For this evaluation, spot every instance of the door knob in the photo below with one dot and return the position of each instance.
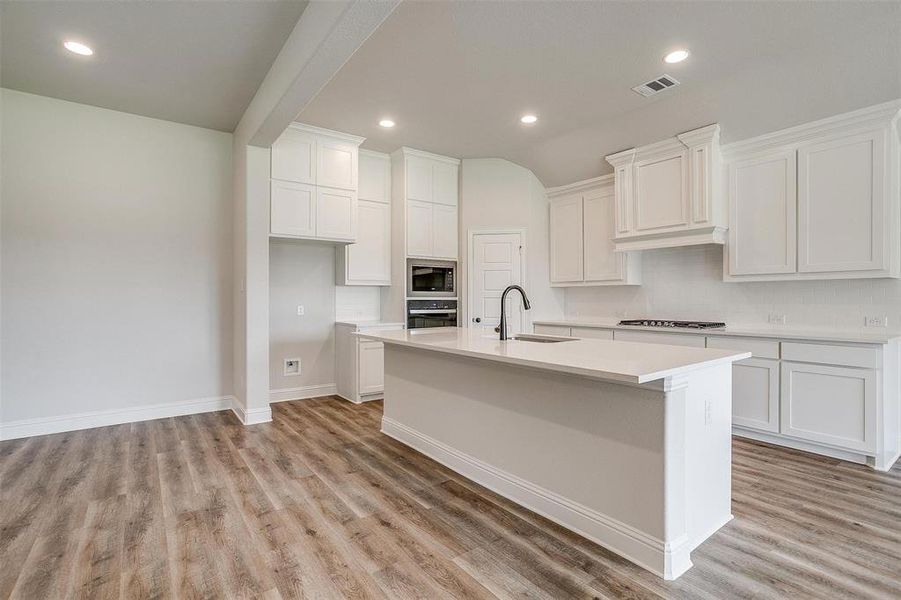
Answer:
(477, 319)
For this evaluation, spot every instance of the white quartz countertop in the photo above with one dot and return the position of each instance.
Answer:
(630, 362)
(868, 336)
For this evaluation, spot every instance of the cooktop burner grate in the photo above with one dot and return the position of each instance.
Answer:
(674, 324)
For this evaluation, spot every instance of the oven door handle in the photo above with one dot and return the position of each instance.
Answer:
(436, 311)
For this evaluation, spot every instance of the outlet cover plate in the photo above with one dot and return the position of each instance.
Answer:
(292, 366)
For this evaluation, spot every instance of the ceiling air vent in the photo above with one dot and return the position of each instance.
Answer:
(650, 88)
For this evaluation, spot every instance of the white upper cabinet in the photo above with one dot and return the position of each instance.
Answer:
(336, 164)
(667, 194)
(294, 157)
(763, 204)
(368, 260)
(326, 162)
(843, 225)
(582, 226)
(818, 201)
(428, 198)
(444, 231)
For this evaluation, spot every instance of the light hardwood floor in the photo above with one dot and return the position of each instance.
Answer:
(319, 504)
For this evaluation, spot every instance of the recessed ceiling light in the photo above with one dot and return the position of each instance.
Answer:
(78, 48)
(528, 119)
(386, 123)
(676, 56)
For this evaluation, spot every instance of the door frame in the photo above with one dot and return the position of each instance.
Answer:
(470, 258)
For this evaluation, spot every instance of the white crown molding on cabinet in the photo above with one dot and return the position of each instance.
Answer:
(11, 430)
(302, 393)
(883, 114)
(354, 139)
(579, 186)
(406, 151)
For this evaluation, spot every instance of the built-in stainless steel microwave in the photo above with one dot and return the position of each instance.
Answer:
(431, 278)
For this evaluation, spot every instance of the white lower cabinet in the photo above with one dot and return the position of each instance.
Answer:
(755, 394)
(830, 405)
(360, 363)
(372, 367)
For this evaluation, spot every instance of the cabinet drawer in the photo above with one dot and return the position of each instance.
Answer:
(592, 332)
(851, 356)
(757, 347)
(552, 329)
(654, 337)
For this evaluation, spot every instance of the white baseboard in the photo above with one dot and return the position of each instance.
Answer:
(812, 447)
(252, 416)
(102, 418)
(303, 392)
(665, 560)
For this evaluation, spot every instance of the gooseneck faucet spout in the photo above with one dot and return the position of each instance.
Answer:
(502, 328)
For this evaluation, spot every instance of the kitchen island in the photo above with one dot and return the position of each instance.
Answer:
(627, 444)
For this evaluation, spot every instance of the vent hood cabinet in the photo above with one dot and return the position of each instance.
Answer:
(668, 194)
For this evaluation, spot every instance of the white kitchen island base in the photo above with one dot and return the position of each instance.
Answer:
(643, 469)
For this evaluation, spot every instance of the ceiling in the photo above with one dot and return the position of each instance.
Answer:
(190, 62)
(456, 76)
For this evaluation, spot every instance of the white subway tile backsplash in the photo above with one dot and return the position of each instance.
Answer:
(687, 283)
(357, 303)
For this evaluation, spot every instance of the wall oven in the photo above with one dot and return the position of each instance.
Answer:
(431, 313)
(431, 278)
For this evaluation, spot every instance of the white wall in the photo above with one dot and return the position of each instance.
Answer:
(301, 273)
(117, 260)
(501, 194)
(686, 283)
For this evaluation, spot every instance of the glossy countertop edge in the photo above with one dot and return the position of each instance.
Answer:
(818, 335)
(724, 357)
(369, 323)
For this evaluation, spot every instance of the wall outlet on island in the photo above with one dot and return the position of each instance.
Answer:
(876, 321)
(292, 366)
(776, 319)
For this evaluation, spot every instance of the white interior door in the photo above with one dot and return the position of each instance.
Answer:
(496, 263)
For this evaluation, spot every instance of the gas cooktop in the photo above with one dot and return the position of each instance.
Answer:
(678, 324)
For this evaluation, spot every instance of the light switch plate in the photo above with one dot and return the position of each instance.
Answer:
(876, 321)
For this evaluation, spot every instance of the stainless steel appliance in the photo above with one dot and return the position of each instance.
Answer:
(431, 278)
(675, 324)
(431, 313)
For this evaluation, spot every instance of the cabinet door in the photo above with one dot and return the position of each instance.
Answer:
(755, 394)
(419, 179)
(292, 209)
(831, 405)
(601, 262)
(444, 183)
(661, 193)
(336, 214)
(372, 367)
(374, 181)
(566, 239)
(762, 212)
(336, 164)
(842, 204)
(293, 157)
(419, 228)
(369, 258)
(444, 231)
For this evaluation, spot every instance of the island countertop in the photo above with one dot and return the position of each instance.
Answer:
(630, 362)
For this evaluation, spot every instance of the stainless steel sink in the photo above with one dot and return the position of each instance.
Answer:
(541, 339)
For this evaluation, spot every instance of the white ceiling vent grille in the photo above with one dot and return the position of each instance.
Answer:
(664, 82)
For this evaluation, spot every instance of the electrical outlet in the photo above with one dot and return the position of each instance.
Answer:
(300, 310)
(876, 321)
(292, 366)
(776, 319)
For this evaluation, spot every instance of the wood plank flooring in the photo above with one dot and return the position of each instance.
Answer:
(319, 504)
